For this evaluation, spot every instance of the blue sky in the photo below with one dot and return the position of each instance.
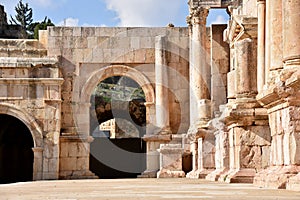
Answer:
(112, 12)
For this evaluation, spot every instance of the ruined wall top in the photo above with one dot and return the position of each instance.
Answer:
(3, 17)
(6, 30)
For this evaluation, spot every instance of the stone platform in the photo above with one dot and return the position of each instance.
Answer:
(146, 189)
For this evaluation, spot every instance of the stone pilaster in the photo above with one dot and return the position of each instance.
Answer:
(161, 87)
(37, 163)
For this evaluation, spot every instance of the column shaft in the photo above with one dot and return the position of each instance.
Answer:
(261, 45)
(276, 35)
(199, 69)
(291, 27)
(267, 39)
(161, 86)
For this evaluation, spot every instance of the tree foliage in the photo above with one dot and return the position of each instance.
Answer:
(36, 26)
(23, 17)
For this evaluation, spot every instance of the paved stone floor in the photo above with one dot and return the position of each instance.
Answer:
(146, 189)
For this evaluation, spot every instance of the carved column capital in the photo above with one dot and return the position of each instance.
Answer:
(198, 15)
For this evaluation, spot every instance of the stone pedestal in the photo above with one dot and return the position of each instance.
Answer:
(294, 183)
(74, 158)
(170, 161)
(152, 160)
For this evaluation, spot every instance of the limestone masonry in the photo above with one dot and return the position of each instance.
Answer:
(221, 103)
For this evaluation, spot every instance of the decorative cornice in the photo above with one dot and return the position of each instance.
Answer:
(241, 27)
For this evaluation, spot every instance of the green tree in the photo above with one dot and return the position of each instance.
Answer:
(23, 17)
(36, 26)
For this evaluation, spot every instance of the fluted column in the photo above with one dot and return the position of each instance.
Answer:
(161, 86)
(199, 71)
(261, 5)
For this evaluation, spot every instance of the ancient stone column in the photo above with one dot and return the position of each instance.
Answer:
(267, 39)
(261, 44)
(161, 86)
(246, 85)
(276, 35)
(291, 36)
(200, 111)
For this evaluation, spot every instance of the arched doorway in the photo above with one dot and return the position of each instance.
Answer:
(16, 155)
(117, 124)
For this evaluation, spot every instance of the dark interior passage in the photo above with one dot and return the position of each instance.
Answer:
(16, 155)
(118, 158)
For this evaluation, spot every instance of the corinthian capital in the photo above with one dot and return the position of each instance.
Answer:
(198, 15)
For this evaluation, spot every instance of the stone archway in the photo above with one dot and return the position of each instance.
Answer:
(119, 146)
(33, 133)
(85, 92)
(16, 155)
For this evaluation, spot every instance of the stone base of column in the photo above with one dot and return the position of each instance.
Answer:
(199, 174)
(70, 175)
(277, 177)
(215, 175)
(165, 173)
(148, 174)
(294, 183)
(238, 176)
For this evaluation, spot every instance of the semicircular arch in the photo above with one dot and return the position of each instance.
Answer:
(117, 70)
(27, 119)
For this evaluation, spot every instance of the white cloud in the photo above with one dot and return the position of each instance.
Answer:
(69, 22)
(144, 12)
(42, 3)
(219, 20)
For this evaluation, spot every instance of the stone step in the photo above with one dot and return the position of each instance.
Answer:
(20, 44)
(27, 53)
(242, 179)
(16, 62)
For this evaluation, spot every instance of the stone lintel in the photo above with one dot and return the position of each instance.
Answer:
(46, 81)
(76, 138)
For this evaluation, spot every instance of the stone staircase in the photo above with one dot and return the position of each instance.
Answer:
(22, 48)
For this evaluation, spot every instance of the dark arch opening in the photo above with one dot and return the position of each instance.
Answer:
(16, 155)
(118, 151)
